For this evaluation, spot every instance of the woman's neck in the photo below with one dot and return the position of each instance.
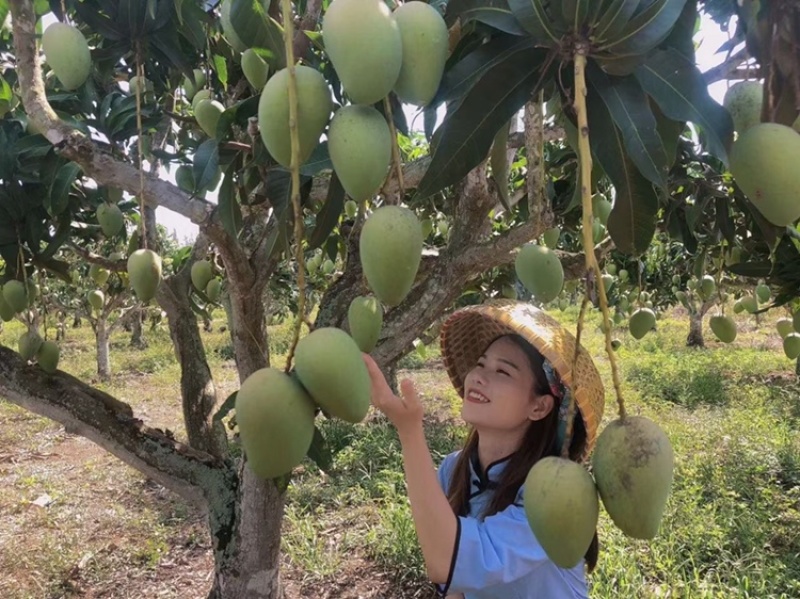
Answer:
(494, 446)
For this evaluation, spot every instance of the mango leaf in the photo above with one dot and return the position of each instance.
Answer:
(647, 29)
(230, 213)
(257, 29)
(463, 75)
(494, 13)
(320, 160)
(538, 17)
(575, 12)
(499, 162)
(205, 164)
(629, 107)
(681, 93)
(56, 241)
(226, 407)
(320, 452)
(465, 136)
(221, 68)
(614, 19)
(58, 198)
(632, 221)
(328, 216)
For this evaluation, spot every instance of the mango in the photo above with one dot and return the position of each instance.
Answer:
(207, 115)
(601, 208)
(707, 287)
(330, 367)
(255, 69)
(139, 85)
(67, 53)
(360, 145)
(562, 509)
(763, 161)
(750, 303)
(203, 94)
(96, 299)
(110, 218)
(47, 356)
(642, 321)
(551, 236)
(275, 417)
(144, 272)
(213, 289)
(390, 249)
(28, 344)
(350, 209)
(314, 110)
(743, 101)
(633, 466)
(784, 326)
(791, 345)
(98, 274)
(201, 274)
(425, 43)
(198, 82)
(16, 295)
(227, 27)
(540, 271)
(6, 311)
(365, 318)
(723, 327)
(763, 293)
(364, 44)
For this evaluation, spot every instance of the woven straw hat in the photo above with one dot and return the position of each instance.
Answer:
(468, 332)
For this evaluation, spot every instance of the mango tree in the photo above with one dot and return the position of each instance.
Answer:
(244, 92)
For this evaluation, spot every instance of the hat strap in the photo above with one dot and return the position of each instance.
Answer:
(560, 391)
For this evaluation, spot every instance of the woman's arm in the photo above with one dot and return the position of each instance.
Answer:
(434, 520)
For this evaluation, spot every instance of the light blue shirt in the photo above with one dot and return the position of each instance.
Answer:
(499, 557)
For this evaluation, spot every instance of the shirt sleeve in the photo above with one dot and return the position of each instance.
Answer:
(496, 551)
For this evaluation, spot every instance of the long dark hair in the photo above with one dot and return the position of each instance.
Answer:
(539, 442)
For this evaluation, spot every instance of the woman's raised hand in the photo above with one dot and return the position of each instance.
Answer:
(404, 411)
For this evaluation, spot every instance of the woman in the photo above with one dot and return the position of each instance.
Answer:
(512, 365)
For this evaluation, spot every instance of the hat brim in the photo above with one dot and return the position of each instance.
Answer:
(468, 332)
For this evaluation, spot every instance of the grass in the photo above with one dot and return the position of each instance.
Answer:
(731, 527)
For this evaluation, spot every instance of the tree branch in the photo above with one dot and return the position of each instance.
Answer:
(111, 424)
(301, 41)
(77, 147)
(92, 258)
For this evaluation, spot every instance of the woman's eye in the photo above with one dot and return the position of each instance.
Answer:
(503, 372)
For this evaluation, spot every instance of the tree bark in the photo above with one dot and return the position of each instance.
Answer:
(137, 330)
(695, 338)
(101, 335)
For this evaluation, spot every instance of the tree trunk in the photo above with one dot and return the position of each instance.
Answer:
(695, 338)
(101, 335)
(61, 327)
(198, 392)
(137, 334)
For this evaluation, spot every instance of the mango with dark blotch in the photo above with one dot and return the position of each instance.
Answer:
(633, 467)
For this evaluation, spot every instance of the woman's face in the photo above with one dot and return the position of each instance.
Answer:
(499, 391)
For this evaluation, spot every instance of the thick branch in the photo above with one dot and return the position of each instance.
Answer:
(92, 258)
(301, 41)
(77, 147)
(111, 424)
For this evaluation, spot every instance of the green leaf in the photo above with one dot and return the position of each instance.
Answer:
(494, 13)
(629, 107)
(458, 80)
(465, 136)
(230, 213)
(320, 452)
(647, 29)
(320, 160)
(632, 222)
(257, 29)
(226, 407)
(328, 216)
(575, 12)
(499, 162)
(681, 93)
(614, 19)
(58, 198)
(539, 19)
(56, 241)
(205, 164)
(221, 68)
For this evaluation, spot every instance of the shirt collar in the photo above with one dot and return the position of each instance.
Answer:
(486, 480)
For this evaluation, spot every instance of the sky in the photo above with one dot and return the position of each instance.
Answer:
(708, 39)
